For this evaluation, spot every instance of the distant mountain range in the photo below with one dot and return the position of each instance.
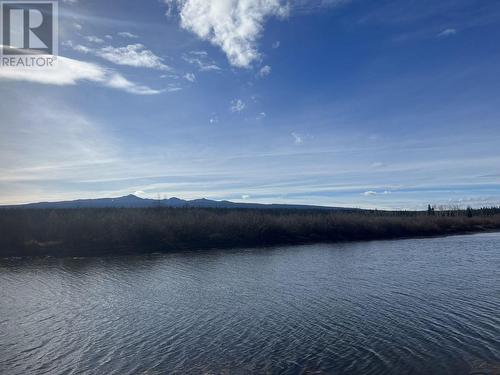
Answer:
(132, 201)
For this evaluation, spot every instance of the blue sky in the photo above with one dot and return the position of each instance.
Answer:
(387, 104)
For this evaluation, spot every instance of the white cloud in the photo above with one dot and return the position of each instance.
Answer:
(172, 76)
(49, 140)
(447, 32)
(261, 116)
(77, 26)
(172, 87)
(371, 193)
(245, 196)
(94, 39)
(109, 37)
(81, 49)
(297, 138)
(201, 60)
(126, 34)
(199, 53)
(276, 44)
(77, 47)
(132, 55)
(135, 55)
(236, 25)
(118, 81)
(265, 71)
(190, 77)
(237, 105)
(233, 25)
(70, 72)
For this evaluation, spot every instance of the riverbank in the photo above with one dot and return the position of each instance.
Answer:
(93, 232)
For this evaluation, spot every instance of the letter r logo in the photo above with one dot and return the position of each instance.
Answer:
(28, 27)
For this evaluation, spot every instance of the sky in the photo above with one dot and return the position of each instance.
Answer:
(389, 104)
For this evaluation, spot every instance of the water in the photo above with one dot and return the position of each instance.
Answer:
(427, 306)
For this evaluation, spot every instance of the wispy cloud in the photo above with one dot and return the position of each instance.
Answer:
(201, 60)
(118, 81)
(378, 164)
(136, 55)
(214, 119)
(371, 193)
(265, 71)
(49, 141)
(126, 34)
(190, 77)
(133, 55)
(308, 6)
(70, 72)
(447, 32)
(94, 39)
(297, 138)
(237, 105)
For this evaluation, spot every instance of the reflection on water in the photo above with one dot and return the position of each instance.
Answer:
(428, 306)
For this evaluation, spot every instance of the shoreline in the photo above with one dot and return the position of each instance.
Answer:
(101, 233)
(127, 253)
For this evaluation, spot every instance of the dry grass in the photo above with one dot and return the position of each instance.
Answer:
(87, 232)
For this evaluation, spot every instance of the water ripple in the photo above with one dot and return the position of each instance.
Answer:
(395, 307)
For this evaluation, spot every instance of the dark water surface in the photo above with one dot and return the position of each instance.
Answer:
(426, 306)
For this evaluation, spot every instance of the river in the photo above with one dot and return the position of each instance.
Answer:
(417, 306)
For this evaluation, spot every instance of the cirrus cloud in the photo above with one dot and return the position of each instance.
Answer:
(126, 34)
(297, 138)
(70, 72)
(237, 105)
(135, 55)
(447, 32)
(265, 71)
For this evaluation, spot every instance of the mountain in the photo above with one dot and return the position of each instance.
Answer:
(132, 201)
